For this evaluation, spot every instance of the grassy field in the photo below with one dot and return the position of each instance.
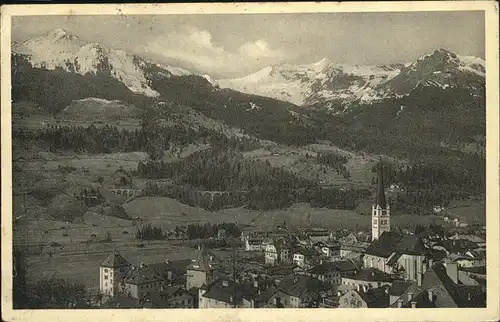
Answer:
(168, 213)
(472, 212)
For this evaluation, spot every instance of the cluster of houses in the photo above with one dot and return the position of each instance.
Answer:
(314, 268)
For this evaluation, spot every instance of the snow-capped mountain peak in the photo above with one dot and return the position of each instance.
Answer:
(60, 34)
(60, 49)
(332, 84)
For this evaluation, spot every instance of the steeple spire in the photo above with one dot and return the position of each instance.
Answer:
(380, 189)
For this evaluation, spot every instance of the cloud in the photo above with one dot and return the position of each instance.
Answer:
(259, 49)
(194, 48)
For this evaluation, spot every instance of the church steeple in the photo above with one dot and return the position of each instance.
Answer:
(381, 214)
(381, 201)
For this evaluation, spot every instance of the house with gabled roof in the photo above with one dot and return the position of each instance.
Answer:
(297, 291)
(225, 293)
(141, 282)
(202, 269)
(111, 272)
(304, 257)
(175, 297)
(332, 272)
(365, 298)
(367, 277)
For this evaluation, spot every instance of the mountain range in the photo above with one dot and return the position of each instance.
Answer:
(331, 85)
(328, 83)
(398, 108)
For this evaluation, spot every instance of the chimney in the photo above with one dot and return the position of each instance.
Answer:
(419, 279)
(339, 294)
(410, 296)
(358, 287)
(400, 303)
(430, 262)
(364, 288)
(430, 295)
(452, 271)
(413, 304)
(255, 283)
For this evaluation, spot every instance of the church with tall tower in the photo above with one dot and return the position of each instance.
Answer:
(381, 212)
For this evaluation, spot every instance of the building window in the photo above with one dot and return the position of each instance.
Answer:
(105, 270)
(105, 277)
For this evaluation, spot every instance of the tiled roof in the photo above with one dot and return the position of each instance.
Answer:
(375, 298)
(280, 270)
(393, 242)
(322, 268)
(170, 291)
(346, 265)
(141, 275)
(421, 299)
(299, 285)
(307, 252)
(354, 256)
(177, 267)
(115, 260)
(359, 246)
(223, 290)
(399, 287)
(458, 245)
(265, 294)
(205, 261)
(371, 275)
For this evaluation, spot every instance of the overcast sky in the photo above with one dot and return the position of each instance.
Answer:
(239, 44)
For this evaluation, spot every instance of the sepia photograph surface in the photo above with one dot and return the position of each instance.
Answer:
(250, 157)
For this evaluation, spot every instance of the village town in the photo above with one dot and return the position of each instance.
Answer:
(312, 267)
(284, 160)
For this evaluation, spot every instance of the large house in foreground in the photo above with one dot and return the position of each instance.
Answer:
(111, 273)
(225, 293)
(202, 269)
(297, 291)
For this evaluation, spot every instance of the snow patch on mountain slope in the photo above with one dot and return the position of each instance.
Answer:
(312, 83)
(473, 64)
(332, 84)
(92, 108)
(59, 48)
